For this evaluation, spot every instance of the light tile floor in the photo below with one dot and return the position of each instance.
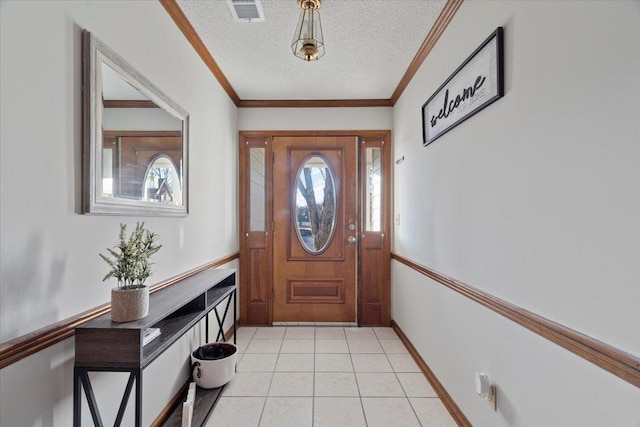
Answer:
(326, 377)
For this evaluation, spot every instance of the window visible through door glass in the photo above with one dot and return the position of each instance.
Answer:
(373, 208)
(315, 203)
(257, 199)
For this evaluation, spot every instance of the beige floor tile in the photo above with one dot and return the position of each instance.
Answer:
(336, 384)
(333, 363)
(379, 385)
(292, 384)
(360, 334)
(432, 413)
(371, 363)
(269, 333)
(295, 363)
(416, 385)
(297, 346)
(331, 346)
(338, 411)
(257, 362)
(246, 332)
(248, 384)
(329, 332)
(296, 376)
(241, 344)
(393, 346)
(403, 363)
(237, 412)
(287, 412)
(300, 332)
(364, 346)
(385, 333)
(386, 412)
(264, 346)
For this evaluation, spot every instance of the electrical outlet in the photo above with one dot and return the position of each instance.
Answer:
(492, 398)
(485, 389)
(397, 219)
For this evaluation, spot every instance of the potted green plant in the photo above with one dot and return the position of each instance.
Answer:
(130, 264)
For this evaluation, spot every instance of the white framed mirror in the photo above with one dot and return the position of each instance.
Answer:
(134, 138)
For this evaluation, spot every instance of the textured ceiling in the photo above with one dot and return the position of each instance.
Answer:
(369, 46)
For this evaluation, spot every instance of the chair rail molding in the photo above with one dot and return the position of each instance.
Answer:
(607, 357)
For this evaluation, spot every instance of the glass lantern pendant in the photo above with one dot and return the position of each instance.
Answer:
(308, 43)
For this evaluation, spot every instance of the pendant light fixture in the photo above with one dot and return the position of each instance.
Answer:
(308, 43)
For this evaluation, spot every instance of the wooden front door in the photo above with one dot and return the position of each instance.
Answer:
(315, 228)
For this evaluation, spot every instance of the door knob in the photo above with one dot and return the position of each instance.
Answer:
(351, 240)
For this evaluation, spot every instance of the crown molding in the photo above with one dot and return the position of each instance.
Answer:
(313, 103)
(173, 9)
(445, 17)
(128, 103)
(441, 24)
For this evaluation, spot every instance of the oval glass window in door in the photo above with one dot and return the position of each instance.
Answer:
(315, 204)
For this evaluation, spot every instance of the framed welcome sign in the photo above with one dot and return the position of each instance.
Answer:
(478, 82)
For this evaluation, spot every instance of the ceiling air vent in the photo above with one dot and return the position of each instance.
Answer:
(246, 10)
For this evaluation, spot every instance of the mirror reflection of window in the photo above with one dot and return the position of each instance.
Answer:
(315, 204)
(107, 172)
(373, 209)
(126, 111)
(162, 182)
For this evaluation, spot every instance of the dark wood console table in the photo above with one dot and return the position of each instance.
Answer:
(102, 345)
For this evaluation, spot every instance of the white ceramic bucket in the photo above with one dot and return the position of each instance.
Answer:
(213, 365)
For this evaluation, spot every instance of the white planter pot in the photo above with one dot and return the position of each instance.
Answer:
(214, 365)
(129, 305)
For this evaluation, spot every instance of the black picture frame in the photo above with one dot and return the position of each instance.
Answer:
(467, 77)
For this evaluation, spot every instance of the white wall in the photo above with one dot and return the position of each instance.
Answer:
(536, 200)
(370, 118)
(50, 267)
